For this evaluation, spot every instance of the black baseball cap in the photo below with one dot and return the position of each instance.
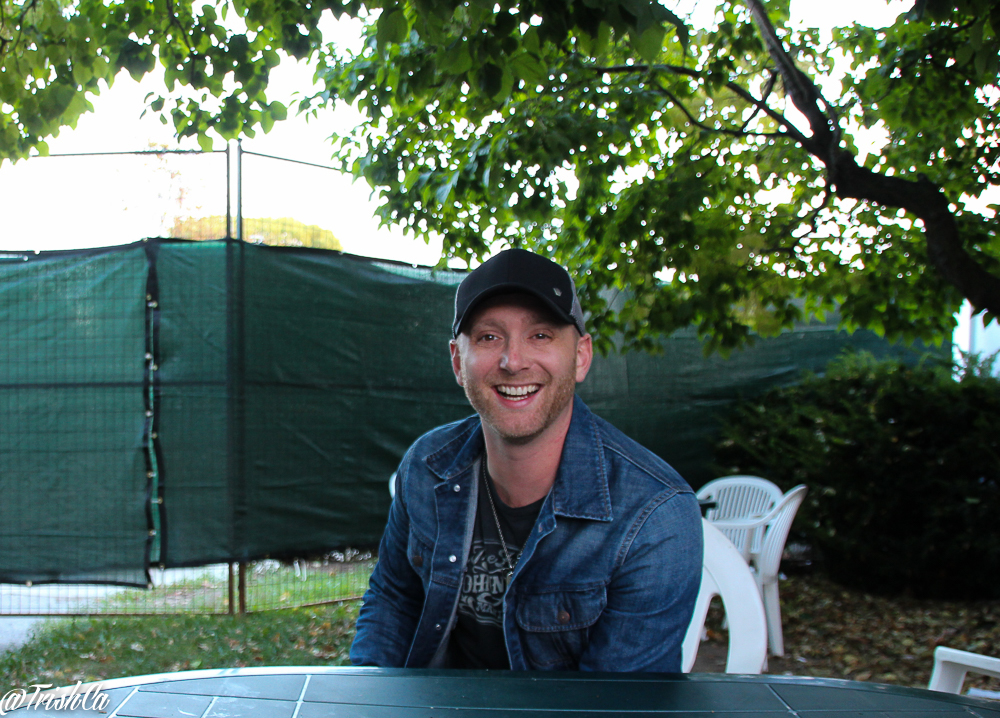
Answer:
(518, 270)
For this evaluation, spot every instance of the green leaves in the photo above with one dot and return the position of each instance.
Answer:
(137, 59)
(58, 55)
(529, 68)
(490, 78)
(455, 60)
(274, 112)
(392, 27)
(605, 133)
(649, 43)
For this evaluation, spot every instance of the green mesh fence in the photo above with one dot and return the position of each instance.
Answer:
(178, 404)
(73, 477)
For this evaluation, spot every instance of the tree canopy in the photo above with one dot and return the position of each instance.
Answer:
(276, 232)
(688, 176)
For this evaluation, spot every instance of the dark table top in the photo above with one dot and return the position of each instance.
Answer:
(314, 692)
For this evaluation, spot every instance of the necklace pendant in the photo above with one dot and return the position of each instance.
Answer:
(510, 575)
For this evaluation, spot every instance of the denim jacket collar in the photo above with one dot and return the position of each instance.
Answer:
(581, 487)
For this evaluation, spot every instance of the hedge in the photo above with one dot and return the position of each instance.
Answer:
(903, 468)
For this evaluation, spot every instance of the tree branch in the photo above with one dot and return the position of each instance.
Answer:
(15, 39)
(180, 28)
(805, 95)
(797, 222)
(763, 99)
(723, 130)
(921, 198)
(927, 201)
(790, 129)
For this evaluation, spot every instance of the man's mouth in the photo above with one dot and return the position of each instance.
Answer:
(517, 392)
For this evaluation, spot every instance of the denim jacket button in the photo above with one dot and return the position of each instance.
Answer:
(453, 558)
(563, 617)
(437, 626)
(457, 488)
(417, 560)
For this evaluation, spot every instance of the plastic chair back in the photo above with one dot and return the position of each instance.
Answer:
(741, 497)
(726, 574)
(767, 560)
(772, 532)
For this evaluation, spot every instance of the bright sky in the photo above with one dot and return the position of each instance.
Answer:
(59, 203)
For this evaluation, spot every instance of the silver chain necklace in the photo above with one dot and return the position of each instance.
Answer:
(503, 544)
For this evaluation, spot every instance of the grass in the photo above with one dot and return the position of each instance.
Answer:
(339, 581)
(270, 585)
(188, 636)
(829, 632)
(65, 651)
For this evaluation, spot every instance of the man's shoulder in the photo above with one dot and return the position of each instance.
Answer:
(641, 460)
(445, 434)
(443, 443)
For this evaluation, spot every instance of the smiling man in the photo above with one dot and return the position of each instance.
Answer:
(532, 535)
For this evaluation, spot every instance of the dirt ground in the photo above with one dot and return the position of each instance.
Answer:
(833, 632)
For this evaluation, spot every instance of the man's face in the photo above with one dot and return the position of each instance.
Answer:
(519, 366)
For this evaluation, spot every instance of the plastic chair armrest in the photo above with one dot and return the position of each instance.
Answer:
(745, 524)
(951, 665)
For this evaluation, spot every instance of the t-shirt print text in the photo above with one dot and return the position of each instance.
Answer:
(485, 582)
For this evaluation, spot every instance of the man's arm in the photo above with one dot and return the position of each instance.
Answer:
(652, 594)
(392, 605)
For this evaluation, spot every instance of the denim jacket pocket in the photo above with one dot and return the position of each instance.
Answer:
(555, 623)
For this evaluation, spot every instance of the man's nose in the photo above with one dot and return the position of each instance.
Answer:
(514, 357)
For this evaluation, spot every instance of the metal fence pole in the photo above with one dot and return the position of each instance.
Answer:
(232, 589)
(243, 588)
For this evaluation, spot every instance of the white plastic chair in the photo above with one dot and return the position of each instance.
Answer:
(769, 533)
(951, 665)
(740, 497)
(726, 574)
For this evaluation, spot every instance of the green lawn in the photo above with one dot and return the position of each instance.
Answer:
(187, 637)
(269, 586)
(65, 651)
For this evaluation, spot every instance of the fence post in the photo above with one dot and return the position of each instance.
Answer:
(243, 588)
(235, 386)
(232, 589)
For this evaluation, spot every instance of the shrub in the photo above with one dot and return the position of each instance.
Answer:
(903, 469)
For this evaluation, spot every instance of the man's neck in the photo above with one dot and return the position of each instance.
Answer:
(525, 473)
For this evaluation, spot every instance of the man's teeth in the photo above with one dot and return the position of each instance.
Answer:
(518, 391)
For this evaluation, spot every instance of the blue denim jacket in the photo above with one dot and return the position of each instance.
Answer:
(606, 581)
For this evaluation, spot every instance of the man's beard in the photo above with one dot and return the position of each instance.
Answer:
(524, 428)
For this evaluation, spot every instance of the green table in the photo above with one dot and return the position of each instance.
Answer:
(319, 692)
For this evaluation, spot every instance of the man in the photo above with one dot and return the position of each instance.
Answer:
(533, 535)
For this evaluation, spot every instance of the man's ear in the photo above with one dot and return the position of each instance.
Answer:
(456, 361)
(584, 356)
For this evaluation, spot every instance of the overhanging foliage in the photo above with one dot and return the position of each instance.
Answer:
(609, 134)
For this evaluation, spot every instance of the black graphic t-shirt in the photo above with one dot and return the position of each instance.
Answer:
(477, 638)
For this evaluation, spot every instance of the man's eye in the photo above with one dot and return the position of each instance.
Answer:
(487, 337)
